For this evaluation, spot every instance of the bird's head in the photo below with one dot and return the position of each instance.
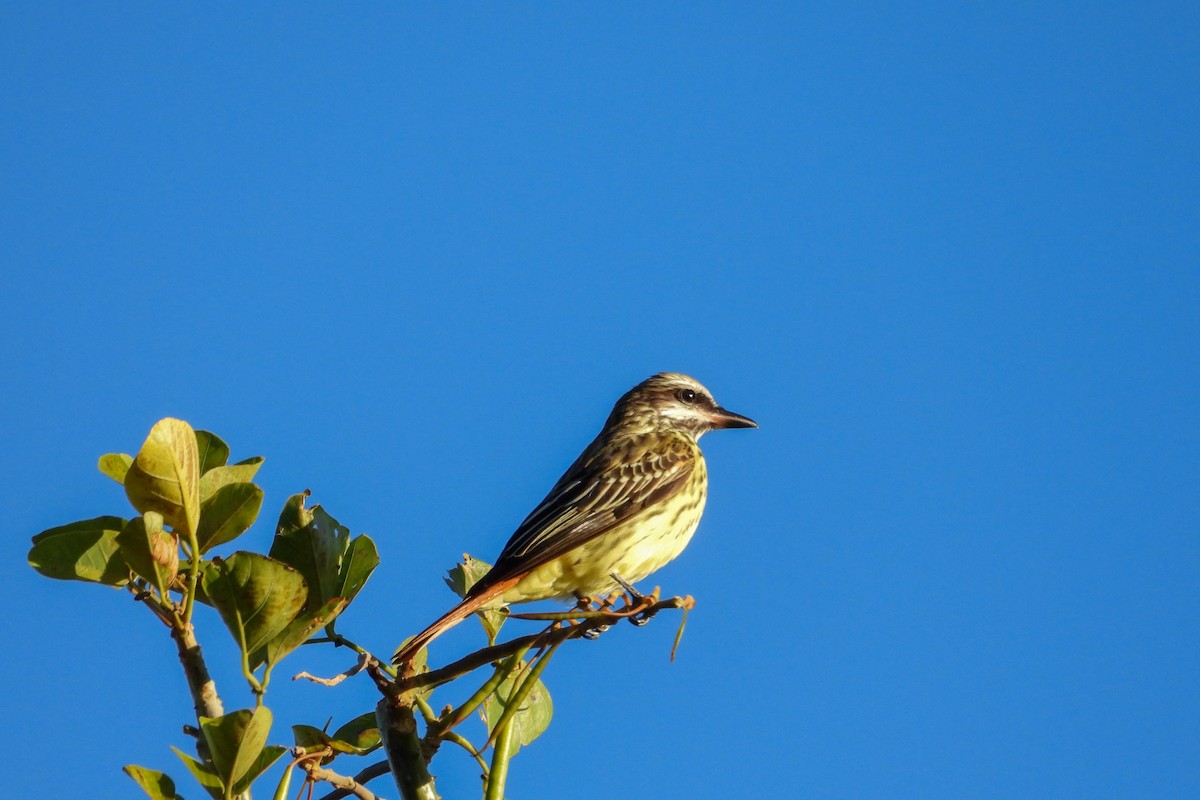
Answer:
(670, 401)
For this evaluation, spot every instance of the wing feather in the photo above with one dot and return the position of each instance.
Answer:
(610, 483)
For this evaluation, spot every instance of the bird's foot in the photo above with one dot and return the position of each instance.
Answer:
(636, 600)
(594, 633)
(634, 596)
(587, 603)
(643, 617)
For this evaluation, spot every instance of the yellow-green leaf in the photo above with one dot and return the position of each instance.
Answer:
(165, 475)
(357, 737)
(203, 774)
(154, 783)
(216, 477)
(236, 743)
(149, 550)
(532, 717)
(262, 762)
(465, 575)
(115, 465)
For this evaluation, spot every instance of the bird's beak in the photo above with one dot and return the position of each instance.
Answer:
(720, 418)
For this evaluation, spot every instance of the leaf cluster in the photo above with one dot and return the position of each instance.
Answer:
(189, 500)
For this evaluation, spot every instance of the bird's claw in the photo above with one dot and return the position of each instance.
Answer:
(635, 596)
(594, 633)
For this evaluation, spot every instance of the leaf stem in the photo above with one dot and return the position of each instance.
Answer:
(465, 744)
(255, 686)
(521, 692)
(369, 773)
(193, 581)
(481, 694)
(498, 774)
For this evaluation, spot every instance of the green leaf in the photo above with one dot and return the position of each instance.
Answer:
(154, 783)
(359, 736)
(465, 575)
(82, 551)
(212, 451)
(533, 716)
(296, 633)
(241, 472)
(284, 786)
(115, 465)
(256, 596)
(149, 550)
(313, 542)
(308, 736)
(266, 757)
(359, 561)
(236, 742)
(227, 514)
(333, 567)
(203, 774)
(316, 544)
(165, 475)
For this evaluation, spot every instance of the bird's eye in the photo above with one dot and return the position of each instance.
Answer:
(686, 395)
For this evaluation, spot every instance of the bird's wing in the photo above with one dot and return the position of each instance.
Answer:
(618, 481)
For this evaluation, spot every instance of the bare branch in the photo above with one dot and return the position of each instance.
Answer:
(590, 621)
(345, 786)
(363, 659)
(204, 691)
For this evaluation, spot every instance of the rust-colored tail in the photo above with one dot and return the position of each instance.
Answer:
(451, 618)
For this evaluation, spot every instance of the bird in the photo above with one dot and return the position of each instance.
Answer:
(628, 505)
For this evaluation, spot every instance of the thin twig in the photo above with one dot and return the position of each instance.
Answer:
(351, 786)
(369, 774)
(487, 655)
(337, 640)
(604, 611)
(143, 595)
(465, 744)
(448, 721)
(520, 692)
(408, 755)
(363, 659)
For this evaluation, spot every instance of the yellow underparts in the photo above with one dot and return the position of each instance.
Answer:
(634, 549)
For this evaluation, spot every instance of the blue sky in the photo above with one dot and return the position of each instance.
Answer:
(947, 257)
